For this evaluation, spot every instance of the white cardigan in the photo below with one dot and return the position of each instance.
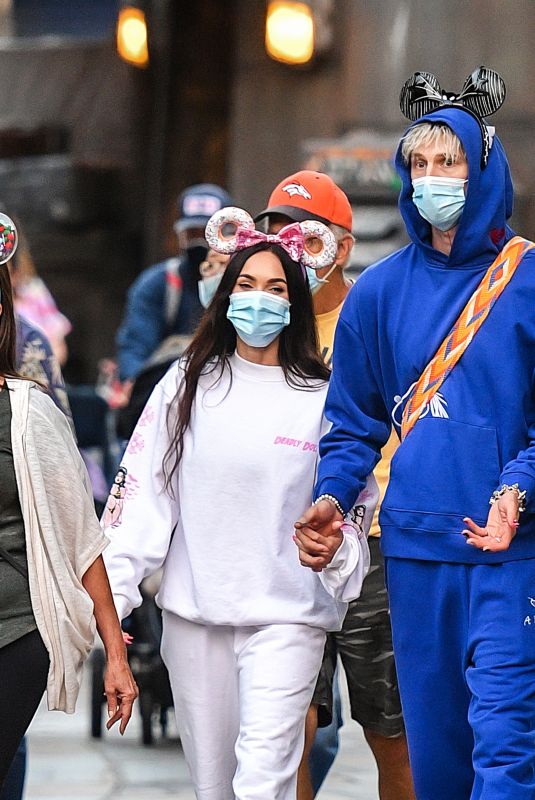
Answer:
(63, 536)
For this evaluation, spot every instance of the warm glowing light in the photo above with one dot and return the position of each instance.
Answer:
(290, 32)
(132, 36)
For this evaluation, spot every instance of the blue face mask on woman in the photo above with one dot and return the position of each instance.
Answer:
(258, 317)
(440, 201)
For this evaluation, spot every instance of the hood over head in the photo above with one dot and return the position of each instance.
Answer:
(482, 230)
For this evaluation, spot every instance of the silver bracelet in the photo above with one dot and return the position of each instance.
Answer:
(333, 500)
(514, 488)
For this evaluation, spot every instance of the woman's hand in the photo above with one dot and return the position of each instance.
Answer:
(121, 690)
(318, 535)
(119, 685)
(501, 527)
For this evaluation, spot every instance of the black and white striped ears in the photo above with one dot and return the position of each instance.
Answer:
(482, 94)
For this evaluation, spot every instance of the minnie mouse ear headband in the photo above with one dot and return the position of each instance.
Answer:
(8, 238)
(293, 238)
(482, 94)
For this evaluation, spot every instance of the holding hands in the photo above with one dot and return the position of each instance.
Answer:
(318, 535)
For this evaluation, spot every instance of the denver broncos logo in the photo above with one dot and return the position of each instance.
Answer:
(297, 188)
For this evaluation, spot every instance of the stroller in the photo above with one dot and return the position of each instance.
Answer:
(145, 622)
(153, 370)
(155, 699)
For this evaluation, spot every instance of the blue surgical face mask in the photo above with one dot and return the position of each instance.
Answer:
(208, 287)
(258, 317)
(314, 282)
(440, 201)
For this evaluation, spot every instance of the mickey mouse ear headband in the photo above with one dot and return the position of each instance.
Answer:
(482, 94)
(8, 238)
(294, 238)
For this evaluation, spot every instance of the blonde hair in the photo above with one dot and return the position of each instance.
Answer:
(427, 134)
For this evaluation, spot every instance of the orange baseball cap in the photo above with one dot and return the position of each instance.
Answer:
(310, 195)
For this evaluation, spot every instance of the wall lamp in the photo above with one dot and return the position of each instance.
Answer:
(297, 31)
(132, 39)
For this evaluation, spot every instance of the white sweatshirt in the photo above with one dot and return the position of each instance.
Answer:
(246, 475)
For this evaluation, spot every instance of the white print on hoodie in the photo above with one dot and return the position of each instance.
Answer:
(225, 537)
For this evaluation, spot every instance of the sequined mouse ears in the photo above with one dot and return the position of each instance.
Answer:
(8, 238)
(482, 94)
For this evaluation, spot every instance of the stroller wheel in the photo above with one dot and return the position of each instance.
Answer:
(146, 707)
(163, 722)
(97, 662)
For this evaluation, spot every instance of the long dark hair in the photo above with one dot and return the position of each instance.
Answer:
(215, 341)
(8, 328)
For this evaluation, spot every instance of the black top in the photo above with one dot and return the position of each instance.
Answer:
(16, 615)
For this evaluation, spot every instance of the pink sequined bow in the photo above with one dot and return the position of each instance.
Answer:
(290, 238)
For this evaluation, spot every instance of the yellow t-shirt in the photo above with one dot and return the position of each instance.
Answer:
(382, 475)
(326, 325)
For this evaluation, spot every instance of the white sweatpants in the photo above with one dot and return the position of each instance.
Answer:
(241, 697)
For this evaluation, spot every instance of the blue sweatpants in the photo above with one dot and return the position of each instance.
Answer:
(464, 643)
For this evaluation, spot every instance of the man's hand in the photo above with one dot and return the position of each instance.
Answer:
(318, 535)
(501, 527)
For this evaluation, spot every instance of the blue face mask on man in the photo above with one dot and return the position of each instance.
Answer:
(440, 201)
(208, 287)
(314, 281)
(258, 317)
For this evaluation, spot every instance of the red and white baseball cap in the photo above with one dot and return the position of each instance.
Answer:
(310, 195)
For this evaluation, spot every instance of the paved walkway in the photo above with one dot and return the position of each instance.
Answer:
(65, 764)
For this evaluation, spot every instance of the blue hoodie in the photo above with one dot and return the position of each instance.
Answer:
(479, 431)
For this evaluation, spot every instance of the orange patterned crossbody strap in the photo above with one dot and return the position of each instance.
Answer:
(470, 321)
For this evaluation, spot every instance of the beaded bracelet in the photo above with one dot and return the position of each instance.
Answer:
(333, 500)
(514, 488)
